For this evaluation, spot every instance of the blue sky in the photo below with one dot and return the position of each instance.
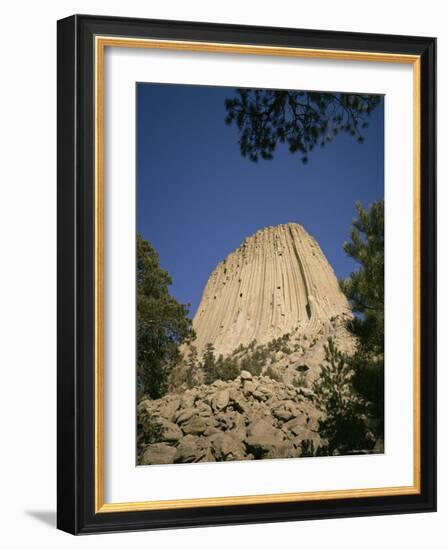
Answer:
(198, 198)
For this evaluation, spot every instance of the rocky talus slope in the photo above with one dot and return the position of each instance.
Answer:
(243, 419)
(267, 311)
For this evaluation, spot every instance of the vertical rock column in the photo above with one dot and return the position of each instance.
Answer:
(277, 281)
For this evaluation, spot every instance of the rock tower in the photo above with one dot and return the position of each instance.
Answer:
(278, 281)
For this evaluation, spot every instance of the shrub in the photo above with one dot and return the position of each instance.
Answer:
(254, 362)
(227, 368)
(300, 381)
(270, 372)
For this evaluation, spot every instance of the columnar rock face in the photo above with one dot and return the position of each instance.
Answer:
(278, 281)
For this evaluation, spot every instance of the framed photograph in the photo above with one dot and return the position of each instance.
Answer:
(246, 274)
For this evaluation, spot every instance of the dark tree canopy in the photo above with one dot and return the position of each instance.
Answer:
(302, 120)
(365, 292)
(162, 323)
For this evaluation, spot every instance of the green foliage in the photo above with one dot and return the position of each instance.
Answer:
(301, 120)
(365, 292)
(148, 431)
(192, 368)
(307, 448)
(162, 323)
(209, 364)
(227, 368)
(344, 423)
(300, 381)
(255, 361)
(279, 344)
(270, 372)
(222, 368)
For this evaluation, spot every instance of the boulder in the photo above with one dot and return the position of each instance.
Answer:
(225, 447)
(159, 453)
(169, 407)
(188, 399)
(283, 413)
(184, 414)
(245, 375)
(249, 387)
(191, 448)
(219, 384)
(306, 392)
(239, 402)
(146, 406)
(283, 450)
(211, 430)
(313, 423)
(225, 419)
(204, 410)
(221, 400)
(195, 425)
(263, 436)
(170, 431)
(259, 395)
(297, 425)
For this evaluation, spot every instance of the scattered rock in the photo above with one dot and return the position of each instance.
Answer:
(211, 430)
(184, 415)
(171, 431)
(297, 425)
(159, 453)
(195, 425)
(259, 395)
(245, 375)
(263, 436)
(238, 402)
(225, 447)
(169, 407)
(190, 449)
(221, 400)
(248, 388)
(283, 413)
(188, 400)
(263, 419)
(306, 392)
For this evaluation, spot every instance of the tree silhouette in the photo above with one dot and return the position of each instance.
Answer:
(302, 120)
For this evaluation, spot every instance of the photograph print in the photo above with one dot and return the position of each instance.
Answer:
(259, 274)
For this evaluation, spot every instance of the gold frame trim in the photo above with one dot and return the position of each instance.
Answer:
(101, 42)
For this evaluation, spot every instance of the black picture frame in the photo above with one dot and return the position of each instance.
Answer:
(76, 286)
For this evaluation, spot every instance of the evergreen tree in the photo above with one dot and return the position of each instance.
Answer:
(162, 323)
(343, 424)
(301, 120)
(192, 366)
(365, 292)
(209, 364)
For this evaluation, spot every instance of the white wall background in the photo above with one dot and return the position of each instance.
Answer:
(28, 271)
